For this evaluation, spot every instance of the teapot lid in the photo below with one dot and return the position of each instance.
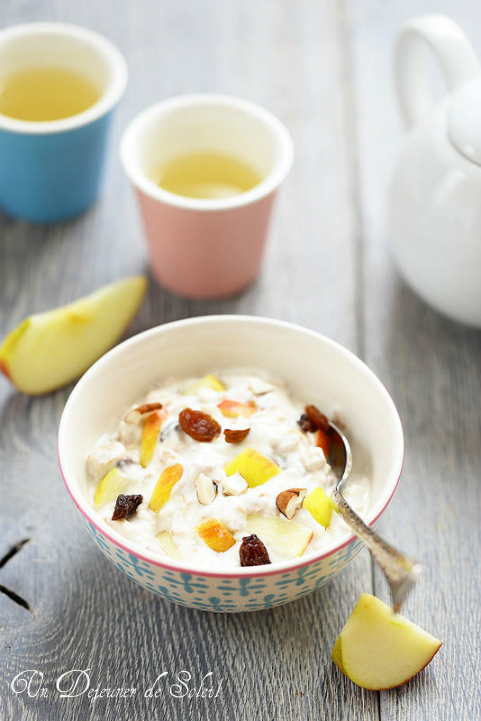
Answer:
(464, 121)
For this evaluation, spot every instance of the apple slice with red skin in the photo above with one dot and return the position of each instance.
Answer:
(379, 649)
(215, 535)
(234, 409)
(150, 436)
(163, 488)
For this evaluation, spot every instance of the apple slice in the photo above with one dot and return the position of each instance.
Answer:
(319, 506)
(336, 655)
(49, 350)
(110, 487)
(234, 409)
(289, 538)
(163, 488)
(215, 535)
(168, 545)
(379, 649)
(208, 381)
(253, 466)
(150, 436)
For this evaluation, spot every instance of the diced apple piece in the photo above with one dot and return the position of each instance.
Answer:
(168, 545)
(323, 441)
(233, 409)
(379, 649)
(318, 504)
(289, 538)
(208, 381)
(163, 488)
(49, 350)
(253, 466)
(150, 436)
(110, 486)
(215, 535)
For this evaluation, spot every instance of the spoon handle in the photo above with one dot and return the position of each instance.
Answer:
(401, 572)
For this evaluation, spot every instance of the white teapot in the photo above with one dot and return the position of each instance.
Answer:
(435, 195)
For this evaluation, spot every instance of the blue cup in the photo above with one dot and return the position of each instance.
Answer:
(51, 171)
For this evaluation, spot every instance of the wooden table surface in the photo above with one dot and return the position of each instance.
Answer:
(325, 69)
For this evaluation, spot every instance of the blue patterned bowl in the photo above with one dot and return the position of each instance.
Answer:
(318, 371)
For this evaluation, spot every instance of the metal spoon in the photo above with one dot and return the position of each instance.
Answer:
(401, 572)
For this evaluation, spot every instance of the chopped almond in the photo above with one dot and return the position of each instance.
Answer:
(288, 502)
(234, 485)
(206, 489)
(142, 412)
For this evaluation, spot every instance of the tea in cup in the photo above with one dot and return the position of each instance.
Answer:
(206, 169)
(58, 87)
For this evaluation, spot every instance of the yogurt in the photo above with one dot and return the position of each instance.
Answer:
(217, 480)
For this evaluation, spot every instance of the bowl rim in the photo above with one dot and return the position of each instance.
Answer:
(256, 571)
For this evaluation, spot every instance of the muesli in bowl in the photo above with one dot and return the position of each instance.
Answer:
(225, 470)
(316, 371)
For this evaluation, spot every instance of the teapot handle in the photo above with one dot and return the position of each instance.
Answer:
(452, 50)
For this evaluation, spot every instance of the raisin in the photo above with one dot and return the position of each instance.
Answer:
(318, 419)
(306, 424)
(199, 426)
(235, 436)
(125, 506)
(252, 552)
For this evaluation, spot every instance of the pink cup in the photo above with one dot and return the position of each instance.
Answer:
(206, 248)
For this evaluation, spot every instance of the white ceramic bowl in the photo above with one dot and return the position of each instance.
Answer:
(318, 371)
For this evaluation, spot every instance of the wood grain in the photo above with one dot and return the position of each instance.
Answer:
(432, 368)
(324, 69)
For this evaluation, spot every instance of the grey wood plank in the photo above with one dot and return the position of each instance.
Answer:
(85, 614)
(431, 367)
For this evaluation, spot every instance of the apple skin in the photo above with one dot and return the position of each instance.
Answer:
(234, 409)
(51, 349)
(163, 488)
(150, 436)
(215, 535)
(323, 441)
(378, 649)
